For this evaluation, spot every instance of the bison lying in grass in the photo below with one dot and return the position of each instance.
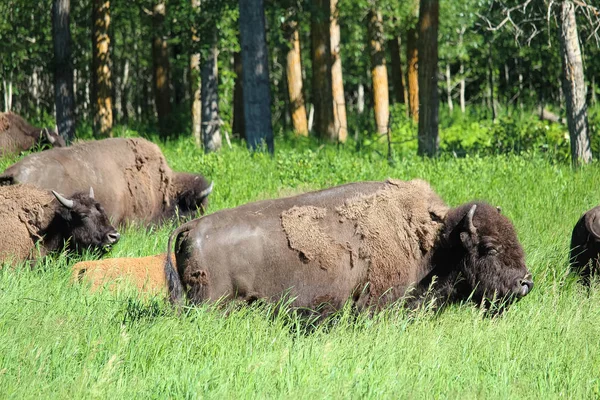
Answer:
(17, 135)
(131, 176)
(30, 216)
(585, 245)
(370, 242)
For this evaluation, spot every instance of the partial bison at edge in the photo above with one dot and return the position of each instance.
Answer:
(30, 216)
(585, 245)
(132, 179)
(370, 242)
(17, 135)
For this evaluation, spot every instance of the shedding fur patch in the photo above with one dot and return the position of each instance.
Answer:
(301, 225)
(398, 225)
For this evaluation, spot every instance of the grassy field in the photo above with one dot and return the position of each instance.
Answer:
(59, 340)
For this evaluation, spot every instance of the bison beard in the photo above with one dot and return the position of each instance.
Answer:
(385, 238)
(585, 245)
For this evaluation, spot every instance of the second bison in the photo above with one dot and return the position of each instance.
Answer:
(17, 135)
(585, 245)
(131, 176)
(370, 242)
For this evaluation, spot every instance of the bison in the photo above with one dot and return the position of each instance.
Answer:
(146, 273)
(368, 242)
(585, 245)
(17, 135)
(132, 178)
(33, 216)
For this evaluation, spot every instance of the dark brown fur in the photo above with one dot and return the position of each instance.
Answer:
(585, 245)
(378, 240)
(17, 135)
(31, 216)
(131, 178)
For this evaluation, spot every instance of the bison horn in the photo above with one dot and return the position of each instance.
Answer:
(470, 215)
(63, 200)
(207, 191)
(48, 136)
(91, 192)
(499, 209)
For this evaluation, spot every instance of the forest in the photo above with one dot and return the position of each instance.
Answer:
(481, 76)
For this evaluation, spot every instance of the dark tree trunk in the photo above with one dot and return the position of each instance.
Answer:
(238, 98)
(160, 60)
(255, 75)
(428, 68)
(211, 132)
(101, 73)
(396, 70)
(574, 86)
(63, 70)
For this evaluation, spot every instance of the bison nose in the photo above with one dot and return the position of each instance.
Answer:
(526, 285)
(113, 237)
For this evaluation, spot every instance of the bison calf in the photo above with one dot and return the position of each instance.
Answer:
(370, 242)
(17, 135)
(585, 245)
(30, 216)
(146, 273)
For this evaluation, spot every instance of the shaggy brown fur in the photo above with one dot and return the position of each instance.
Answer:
(366, 241)
(17, 135)
(130, 176)
(585, 245)
(146, 273)
(30, 215)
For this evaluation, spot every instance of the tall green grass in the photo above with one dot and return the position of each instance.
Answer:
(59, 340)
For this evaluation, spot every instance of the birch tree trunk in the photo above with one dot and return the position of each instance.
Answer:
(337, 82)
(574, 86)
(101, 73)
(195, 84)
(428, 68)
(293, 72)
(160, 58)
(255, 75)
(449, 88)
(211, 129)
(378, 72)
(463, 87)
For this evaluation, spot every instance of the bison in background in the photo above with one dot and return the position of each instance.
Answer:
(17, 135)
(585, 245)
(133, 181)
(368, 242)
(30, 216)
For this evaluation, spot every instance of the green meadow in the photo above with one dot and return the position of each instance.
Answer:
(59, 340)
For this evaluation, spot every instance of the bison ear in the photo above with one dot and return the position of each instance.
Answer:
(63, 200)
(468, 236)
(91, 192)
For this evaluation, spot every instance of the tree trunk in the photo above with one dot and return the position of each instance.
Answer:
(463, 87)
(160, 61)
(293, 72)
(125, 91)
(449, 88)
(238, 97)
(195, 85)
(322, 86)
(428, 68)
(337, 82)
(7, 94)
(378, 72)
(211, 132)
(63, 70)
(255, 75)
(396, 70)
(574, 86)
(490, 66)
(412, 59)
(360, 98)
(101, 73)
(593, 89)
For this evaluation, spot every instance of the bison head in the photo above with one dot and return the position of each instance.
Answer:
(479, 255)
(585, 244)
(86, 222)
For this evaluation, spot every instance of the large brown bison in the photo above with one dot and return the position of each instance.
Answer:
(17, 135)
(32, 216)
(369, 242)
(131, 176)
(585, 245)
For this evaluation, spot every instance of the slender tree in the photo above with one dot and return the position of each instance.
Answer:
(101, 72)
(574, 86)
(378, 71)
(428, 69)
(255, 75)
(238, 97)
(195, 85)
(63, 70)
(412, 73)
(211, 130)
(396, 72)
(160, 61)
(293, 73)
(337, 81)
